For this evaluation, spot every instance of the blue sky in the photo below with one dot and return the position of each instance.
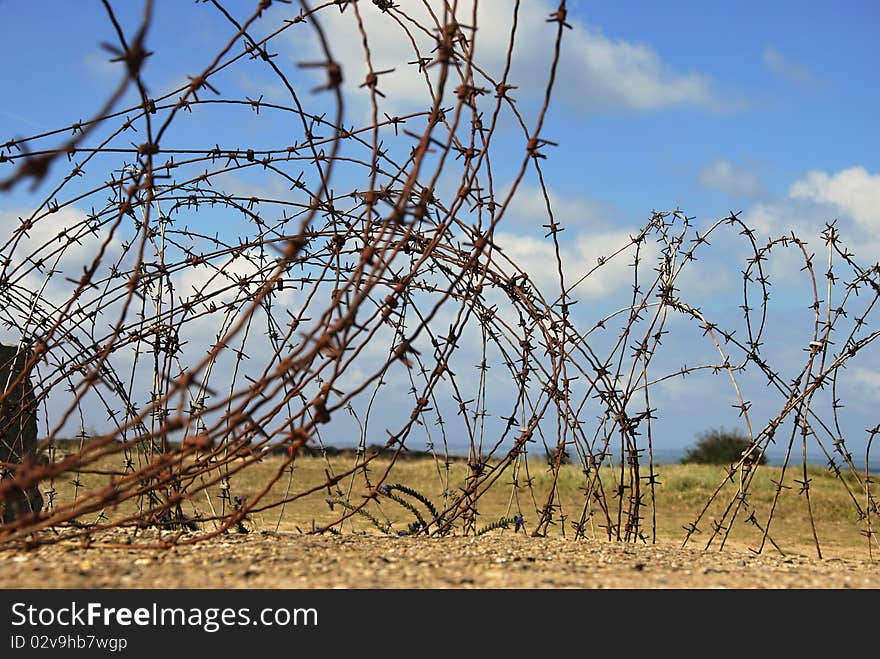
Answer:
(764, 108)
(783, 88)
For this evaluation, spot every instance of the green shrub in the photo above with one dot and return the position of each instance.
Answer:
(719, 446)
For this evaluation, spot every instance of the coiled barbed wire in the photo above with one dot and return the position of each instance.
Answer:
(220, 301)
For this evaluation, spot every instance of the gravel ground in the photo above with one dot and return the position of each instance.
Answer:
(266, 560)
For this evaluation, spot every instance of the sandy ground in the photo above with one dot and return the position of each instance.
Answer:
(266, 560)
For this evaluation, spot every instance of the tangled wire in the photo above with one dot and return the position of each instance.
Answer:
(219, 302)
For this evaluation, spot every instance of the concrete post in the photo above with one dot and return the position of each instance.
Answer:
(18, 435)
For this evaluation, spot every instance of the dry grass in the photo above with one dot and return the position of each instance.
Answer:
(680, 494)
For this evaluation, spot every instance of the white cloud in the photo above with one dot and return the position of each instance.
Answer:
(537, 257)
(600, 73)
(611, 74)
(588, 235)
(766, 218)
(263, 186)
(869, 378)
(851, 197)
(575, 212)
(707, 278)
(97, 63)
(47, 233)
(733, 181)
(854, 192)
(62, 246)
(43, 268)
(861, 384)
(779, 64)
(230, 278)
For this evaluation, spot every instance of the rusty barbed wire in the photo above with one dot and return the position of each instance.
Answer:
(223, 301)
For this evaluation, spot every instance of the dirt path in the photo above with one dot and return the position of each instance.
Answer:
(263, 560)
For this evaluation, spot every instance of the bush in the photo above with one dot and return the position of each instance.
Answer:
(718, 446)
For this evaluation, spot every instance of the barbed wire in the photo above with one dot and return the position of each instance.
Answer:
(224, 301)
